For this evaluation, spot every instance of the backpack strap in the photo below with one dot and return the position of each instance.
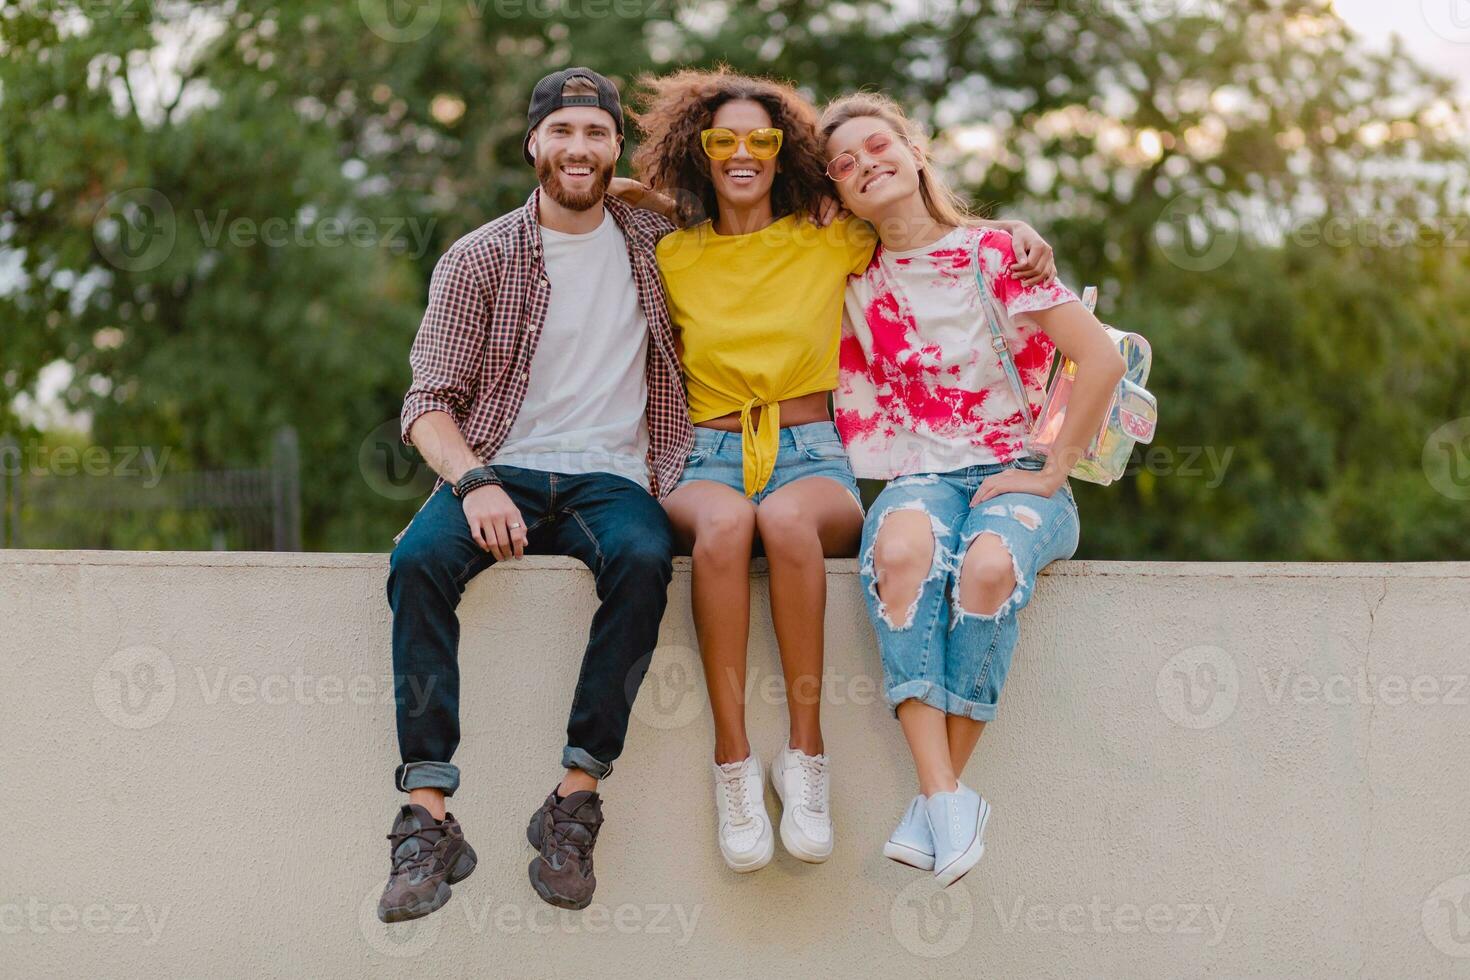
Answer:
(998, 343)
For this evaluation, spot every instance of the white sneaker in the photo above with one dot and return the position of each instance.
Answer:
(911, 843)
(744, 828)
(804, 784)
(957, 824)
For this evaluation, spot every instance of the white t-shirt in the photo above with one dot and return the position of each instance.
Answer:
(919, 389)
(586, 402)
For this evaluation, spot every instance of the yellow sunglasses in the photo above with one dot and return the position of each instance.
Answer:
(721, 143)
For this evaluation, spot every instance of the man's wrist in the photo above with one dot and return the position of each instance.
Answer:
(473, 479)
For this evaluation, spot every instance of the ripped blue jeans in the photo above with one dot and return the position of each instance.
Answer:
(936, 651)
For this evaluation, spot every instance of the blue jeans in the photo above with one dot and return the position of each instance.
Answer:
(614, 527)
(936, 651)
(813, 449)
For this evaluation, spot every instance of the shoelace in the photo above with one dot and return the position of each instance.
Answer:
(737, 802)
(582, 849)
(813, 786)
(425, 855)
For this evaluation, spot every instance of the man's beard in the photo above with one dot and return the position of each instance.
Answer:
(548, 172)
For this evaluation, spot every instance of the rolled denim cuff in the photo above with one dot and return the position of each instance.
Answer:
(974, 710)
(427, 775)
(572, 758)
(926, 691)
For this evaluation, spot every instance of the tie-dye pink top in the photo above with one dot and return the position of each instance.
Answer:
(919, 389)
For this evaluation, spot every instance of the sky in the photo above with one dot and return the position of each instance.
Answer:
(1437, 31)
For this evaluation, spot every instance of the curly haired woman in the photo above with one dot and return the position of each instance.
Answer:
(755, 291)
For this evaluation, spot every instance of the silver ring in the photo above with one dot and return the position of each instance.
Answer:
(514, 526)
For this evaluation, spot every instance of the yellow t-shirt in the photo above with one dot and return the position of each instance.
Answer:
(759, 317)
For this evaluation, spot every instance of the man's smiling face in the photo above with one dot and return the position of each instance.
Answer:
(576, 149)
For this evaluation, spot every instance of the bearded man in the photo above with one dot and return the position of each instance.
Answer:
(547, 396)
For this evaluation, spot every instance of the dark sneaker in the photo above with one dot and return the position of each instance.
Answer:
(428, 857)
(565, 834)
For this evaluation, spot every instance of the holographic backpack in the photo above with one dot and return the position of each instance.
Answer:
(1132, 413)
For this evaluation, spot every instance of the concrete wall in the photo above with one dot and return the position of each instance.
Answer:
(1224, 770)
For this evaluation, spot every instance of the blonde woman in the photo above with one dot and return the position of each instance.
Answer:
(951, 547)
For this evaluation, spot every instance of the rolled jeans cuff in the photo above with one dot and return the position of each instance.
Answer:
(572, 758)
(428, 775)
(928, 692)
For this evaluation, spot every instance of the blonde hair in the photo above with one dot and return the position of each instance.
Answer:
(942, 203)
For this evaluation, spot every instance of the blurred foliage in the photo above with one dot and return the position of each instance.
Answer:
(1189, 158)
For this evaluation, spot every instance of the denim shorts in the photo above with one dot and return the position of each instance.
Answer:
(935, 651)
(807, 450)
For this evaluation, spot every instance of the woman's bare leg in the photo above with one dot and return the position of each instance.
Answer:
(716, 525)
(801, 525)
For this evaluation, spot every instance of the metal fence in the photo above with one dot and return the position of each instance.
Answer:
(221, 510)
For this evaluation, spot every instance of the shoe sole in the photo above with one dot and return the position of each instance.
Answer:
(762, 859)
(971, 856)
(903, 854)
(792, 838)
(464, 866)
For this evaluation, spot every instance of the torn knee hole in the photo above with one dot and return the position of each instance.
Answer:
(906, 556)
(988, 578)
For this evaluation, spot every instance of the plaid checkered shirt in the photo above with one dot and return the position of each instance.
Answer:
(487, 307)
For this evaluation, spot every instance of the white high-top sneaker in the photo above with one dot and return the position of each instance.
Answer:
(744, 830)
(804, 784)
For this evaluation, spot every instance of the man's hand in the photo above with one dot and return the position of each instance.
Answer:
(495, 522)
(1035, 263)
